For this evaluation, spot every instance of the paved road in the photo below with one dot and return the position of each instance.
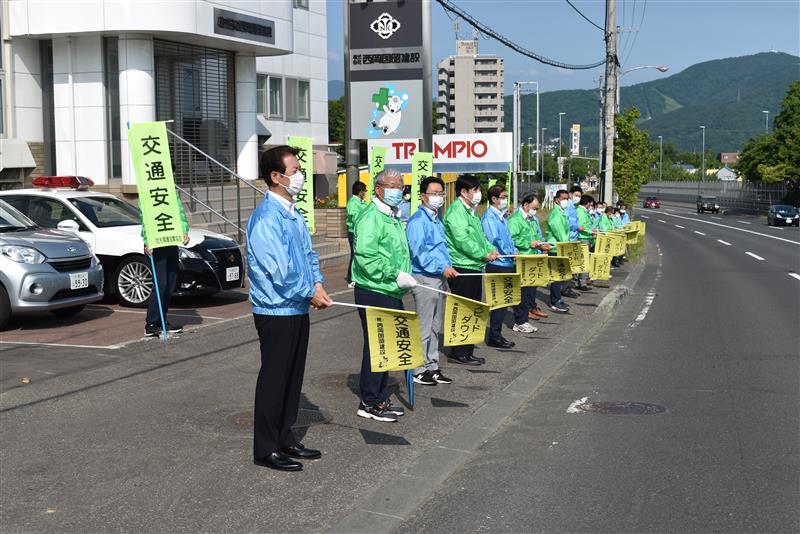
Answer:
(711, 334)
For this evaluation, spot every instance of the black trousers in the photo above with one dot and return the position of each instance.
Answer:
(166, 261)
(350, 238)
(555, 287)
(284, 343)
(497, 316)
(470, 287)
(372, 386)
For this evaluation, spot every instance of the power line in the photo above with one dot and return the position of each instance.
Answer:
(452, 8)
(587, 19)
(633, 43)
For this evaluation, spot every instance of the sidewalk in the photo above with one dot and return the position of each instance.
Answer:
(161, 440)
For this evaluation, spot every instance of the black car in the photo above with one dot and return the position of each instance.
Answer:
(707, 204)
(782, 214)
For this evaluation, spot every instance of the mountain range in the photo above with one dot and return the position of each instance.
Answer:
(727, 96)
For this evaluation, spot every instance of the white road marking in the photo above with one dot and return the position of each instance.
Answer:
(100, 308)
(775, 227)
(699, 233)
(648, 301)
(679, 226)
(573, 408)
(744, 222)
(759, 258)
(643, 217)
(670, 209)
(733, 228)
(663, 221)
(61, 345)
(724, 242)
(717, 218)
(795, 275)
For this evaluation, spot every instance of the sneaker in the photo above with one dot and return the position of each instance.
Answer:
(424, 378)
(440, 378)
(377, 412)
(525, 328)
(351, 285)
(152, 330)
(174, 329)
(393, 408)
(559, 307)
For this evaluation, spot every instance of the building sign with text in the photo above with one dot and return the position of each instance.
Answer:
(487, 152)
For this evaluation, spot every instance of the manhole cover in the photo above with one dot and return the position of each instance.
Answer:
(621, 408)
(305, 418)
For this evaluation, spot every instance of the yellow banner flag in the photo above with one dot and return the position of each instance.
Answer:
(560, 269)
(534, 270)
(610, 243)
(464, 321)
(600, 266)
(502, 290)
(395, 343)
(631, 236)
(574, 251)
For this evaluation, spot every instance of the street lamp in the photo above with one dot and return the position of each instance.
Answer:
(530, 157)
(542, 158)
(660, 68)
(766, 120)
(660, 157)
(703, 156)
(559, 132)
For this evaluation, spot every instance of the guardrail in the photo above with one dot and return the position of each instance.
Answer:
(753, 196)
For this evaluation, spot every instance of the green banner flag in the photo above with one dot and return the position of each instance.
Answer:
(304, 201)
(421, 168)
(377, 160)
(158, 201)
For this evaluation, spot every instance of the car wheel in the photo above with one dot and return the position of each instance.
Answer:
(5, 308)
(68, 312)
(133, 282)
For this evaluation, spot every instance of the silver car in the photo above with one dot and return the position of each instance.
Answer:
(44, 270)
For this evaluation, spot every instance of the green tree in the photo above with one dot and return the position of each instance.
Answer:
(336, 123)
(633, 156)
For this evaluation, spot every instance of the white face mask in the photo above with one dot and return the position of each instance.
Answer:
(435, 203)
(622, 211)
(532, 212)
(564, 203)
(503, 205)
(591, 212)
(296, 183)
(476, 198)
(576, 200)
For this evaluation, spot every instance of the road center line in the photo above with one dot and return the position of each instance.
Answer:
(756, 256)
(795, 275)
(717, 218)
(744, 222)
(643, 217)
(679, 226)
(724, 242)
(733, 228)
(663, 221)
(699, 233)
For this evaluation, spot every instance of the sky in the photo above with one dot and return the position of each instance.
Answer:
(675, 33)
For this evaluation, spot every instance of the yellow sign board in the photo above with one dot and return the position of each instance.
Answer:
(560, 270)
(395, 343)
(502, 290)
(464, 321)
(610, 243)
(534, 270)
(574, 250)
(600, 266)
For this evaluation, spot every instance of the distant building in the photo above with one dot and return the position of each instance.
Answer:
(691, 169)
(728, 158)
(725, 174)
(470, 91)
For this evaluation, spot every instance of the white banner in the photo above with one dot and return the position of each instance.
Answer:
(575, 146)
(489, 152)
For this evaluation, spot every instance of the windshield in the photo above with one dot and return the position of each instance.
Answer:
(106, 212)
(11, 220)
(782, 207)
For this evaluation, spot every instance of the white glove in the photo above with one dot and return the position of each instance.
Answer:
(405, 280)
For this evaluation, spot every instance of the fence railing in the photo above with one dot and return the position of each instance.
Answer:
(754, 196)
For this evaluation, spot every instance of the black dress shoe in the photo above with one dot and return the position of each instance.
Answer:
(478, 359)
(279, 462)
(584, 288)
(464, 360)
(571, 293)
(300, 452)
(501, 343)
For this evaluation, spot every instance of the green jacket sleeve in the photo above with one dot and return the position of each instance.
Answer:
(367, 249)
(521, 233)
(354, 207)
(557, 227)
(605, 224)
(461, 236)
(585, 222)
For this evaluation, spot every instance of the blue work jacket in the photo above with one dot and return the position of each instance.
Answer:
(494, 226)
(572, 217)
(427, 243)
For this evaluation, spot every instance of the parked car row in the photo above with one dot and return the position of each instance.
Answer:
(61, 213)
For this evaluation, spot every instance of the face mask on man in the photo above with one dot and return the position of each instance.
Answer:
(503, 204)
(476, 198)
(532, 212)
(392, 197)
(296, 183)
(622, 211)
(435, 202)
(564, 203)
(576, 200)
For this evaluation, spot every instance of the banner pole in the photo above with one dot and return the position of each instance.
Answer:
(351, 305)
(158, 297)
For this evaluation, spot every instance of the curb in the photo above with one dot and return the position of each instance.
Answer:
(395, 500)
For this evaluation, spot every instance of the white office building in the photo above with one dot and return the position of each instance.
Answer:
(231, 74)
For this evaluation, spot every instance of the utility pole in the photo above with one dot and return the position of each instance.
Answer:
(517, 141)
(609, 104)
(660, 157)
(560, 114)
(542, 160)
(703, 156)
(538, 144)
(530, 158)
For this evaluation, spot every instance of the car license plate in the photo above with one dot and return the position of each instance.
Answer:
(231, 274)
(79, 280)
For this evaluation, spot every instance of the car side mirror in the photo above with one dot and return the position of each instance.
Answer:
(68, 225)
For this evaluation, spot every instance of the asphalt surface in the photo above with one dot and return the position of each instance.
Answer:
(710, 334)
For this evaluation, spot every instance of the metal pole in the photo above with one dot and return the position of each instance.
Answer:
(516, 139)
(538, 144)
(612, 70)
(703, 156)
(660, 158)
(542, 160)
(561, 114)
(427, 135)
(530, 157)
(766, 121)
(351, 146)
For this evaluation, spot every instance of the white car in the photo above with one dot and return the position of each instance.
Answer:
(209, 263)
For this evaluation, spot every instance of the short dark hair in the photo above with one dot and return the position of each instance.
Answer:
(495, 191)
(575, 188)
(586, 199)
(358, 187)
(610, 209)
(272, 161)
(423, 185)
(561, 192)
(529, 197)
(466, 181)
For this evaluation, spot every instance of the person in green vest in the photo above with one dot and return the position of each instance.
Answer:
(558, 232)
(527, 236)
(585, 234)
(469, 252)
(606, 224)
(382, 276)
(355, 205)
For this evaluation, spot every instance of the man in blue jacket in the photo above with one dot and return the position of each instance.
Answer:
(494, 226)
(430, 266)
(284, 280)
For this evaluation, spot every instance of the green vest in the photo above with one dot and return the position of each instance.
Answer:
(605, 224)
(380, 252)
(354, 207)
(585, 221)
(522, 233)
(557, 226)
(466, 241)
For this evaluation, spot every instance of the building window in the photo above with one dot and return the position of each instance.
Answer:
(261, 94)
(303, 100)
(291, 100)
(301, 4)
(111, 76)
(275, 97)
